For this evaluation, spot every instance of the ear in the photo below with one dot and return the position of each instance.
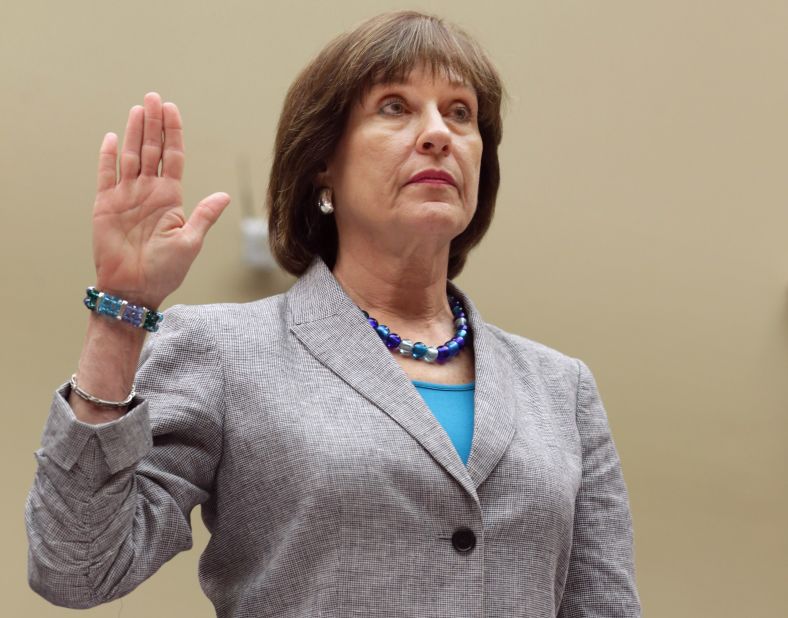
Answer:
(323, 176)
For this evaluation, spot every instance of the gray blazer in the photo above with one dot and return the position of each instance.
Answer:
(328, 486)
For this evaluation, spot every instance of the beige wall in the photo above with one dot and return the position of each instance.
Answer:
(642, 226)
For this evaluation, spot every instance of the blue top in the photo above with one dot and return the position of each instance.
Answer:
(452, 405)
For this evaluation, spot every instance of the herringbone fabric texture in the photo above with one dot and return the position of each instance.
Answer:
(328, 486)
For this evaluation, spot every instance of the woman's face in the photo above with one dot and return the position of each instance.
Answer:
(406, 170)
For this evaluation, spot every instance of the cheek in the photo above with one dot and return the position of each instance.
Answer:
(474, 164)
(372, 164)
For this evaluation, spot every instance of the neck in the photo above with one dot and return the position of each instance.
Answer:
(403, 291)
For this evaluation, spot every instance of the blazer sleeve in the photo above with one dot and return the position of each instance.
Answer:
(111, 503)
(601, 578)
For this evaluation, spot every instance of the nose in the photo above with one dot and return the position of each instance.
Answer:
(435, 137)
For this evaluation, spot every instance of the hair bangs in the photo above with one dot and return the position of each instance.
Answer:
(395, 48)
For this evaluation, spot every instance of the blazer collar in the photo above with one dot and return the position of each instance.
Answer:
(332, 329)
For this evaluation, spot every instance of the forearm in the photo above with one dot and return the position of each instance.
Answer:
(80, 511)
(89, 547)
(111, 501)
(106, 369)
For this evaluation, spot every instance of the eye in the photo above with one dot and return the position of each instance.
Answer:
(462, 113)
(393, 107)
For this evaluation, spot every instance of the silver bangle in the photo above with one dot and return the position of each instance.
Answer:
(100, 402)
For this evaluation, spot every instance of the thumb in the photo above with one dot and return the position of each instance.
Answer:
(205, 214)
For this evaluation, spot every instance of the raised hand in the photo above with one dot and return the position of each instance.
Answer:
(143, 245)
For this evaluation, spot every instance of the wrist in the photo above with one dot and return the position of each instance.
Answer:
(119, 308)
(142, 298)
(102, 328)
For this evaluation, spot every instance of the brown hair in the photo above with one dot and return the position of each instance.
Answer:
(383, 49)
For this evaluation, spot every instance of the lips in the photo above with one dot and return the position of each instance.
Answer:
(437, 177)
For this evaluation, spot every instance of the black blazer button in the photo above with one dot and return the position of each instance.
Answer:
(463, 539)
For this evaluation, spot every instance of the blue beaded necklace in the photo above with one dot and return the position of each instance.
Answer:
(421, 351)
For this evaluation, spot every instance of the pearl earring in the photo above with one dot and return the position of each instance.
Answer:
(324, 201)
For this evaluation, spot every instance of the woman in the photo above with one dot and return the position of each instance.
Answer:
(337, 477)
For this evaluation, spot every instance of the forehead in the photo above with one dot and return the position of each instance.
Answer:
(420, 75)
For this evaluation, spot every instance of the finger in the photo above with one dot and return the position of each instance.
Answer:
(108, 157)
(151, 135)
(205, 215)
(132, 140)
(173, 156)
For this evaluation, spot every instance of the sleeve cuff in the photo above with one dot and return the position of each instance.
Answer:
(123, 442)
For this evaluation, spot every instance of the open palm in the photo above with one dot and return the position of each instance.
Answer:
(143, 245)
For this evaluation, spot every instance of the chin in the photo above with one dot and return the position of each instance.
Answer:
(438, 219)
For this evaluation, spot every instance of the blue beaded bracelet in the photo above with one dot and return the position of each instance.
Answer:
(114, 307)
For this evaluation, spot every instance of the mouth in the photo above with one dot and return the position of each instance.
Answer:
(433, 177)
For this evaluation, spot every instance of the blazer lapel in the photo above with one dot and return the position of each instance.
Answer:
(494, 404)
(335, 332)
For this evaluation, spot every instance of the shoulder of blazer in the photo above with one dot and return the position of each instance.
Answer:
(262, 320)
(534, 357)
